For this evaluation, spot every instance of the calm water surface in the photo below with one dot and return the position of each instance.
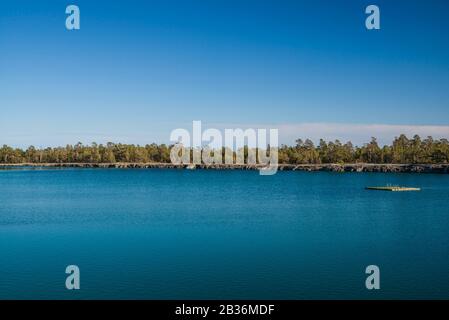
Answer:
(172, 234)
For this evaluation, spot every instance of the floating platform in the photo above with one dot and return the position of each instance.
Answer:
(394, 189)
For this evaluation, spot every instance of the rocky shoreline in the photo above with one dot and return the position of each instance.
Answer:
(358, 167)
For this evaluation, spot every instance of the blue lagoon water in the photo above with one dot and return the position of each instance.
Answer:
(174, 234)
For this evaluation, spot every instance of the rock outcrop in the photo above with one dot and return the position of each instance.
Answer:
(358, 167)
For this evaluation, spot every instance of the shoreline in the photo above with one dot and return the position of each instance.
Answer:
(358, 167)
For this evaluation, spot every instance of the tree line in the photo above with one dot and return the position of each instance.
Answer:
(402, 151)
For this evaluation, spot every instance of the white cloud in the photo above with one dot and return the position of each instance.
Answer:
(357, 133)
(288, 133)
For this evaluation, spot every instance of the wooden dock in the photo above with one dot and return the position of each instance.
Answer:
(393, 188)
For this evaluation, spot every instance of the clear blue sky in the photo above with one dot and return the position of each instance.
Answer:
(138, 69)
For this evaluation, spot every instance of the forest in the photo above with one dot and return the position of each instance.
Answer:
(402, 150)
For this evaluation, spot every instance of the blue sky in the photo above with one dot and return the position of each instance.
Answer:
(138, 69)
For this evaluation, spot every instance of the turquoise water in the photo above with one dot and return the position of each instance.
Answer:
(173, 234)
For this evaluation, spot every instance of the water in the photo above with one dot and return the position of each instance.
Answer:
(174, 234)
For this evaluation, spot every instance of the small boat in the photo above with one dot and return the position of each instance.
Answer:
(393, 188)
